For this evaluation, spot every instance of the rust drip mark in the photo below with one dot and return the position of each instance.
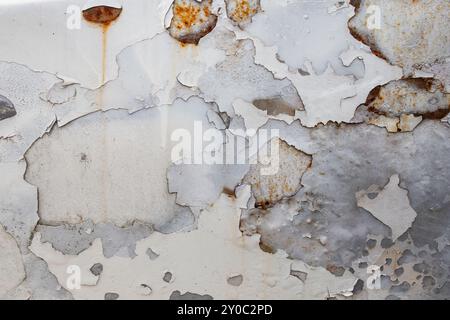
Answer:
(102, 16)
(192, 20)
(105, 28)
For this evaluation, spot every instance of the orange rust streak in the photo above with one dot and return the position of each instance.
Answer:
(105, 28)
(102, 16)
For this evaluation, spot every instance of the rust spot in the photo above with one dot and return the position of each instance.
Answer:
(241, 11)
(102, 14)
(191, 20)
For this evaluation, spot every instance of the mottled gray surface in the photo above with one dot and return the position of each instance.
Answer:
(61, 150)
(351, 158)
(73, 239)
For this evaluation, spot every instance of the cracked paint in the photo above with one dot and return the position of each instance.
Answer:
(136, 139)
(202, 253)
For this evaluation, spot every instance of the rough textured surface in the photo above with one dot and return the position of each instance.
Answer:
(270, 189)
(409, 37)
(224, 149)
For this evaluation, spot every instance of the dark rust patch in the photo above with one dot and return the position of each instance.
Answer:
(102, 14)
(435, 115)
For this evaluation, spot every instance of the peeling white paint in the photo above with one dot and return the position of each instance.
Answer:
(58, 46)
(209, 255)
(100, 150)
(390, 205)
(93, 116)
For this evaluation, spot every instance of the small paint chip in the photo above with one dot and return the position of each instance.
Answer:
(96, 269)
(167, 277)
(111, 296)
(151, 254)
(235, 281)
(7, 109)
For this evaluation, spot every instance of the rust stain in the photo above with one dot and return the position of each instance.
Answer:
(104, 46)
(102, 16)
